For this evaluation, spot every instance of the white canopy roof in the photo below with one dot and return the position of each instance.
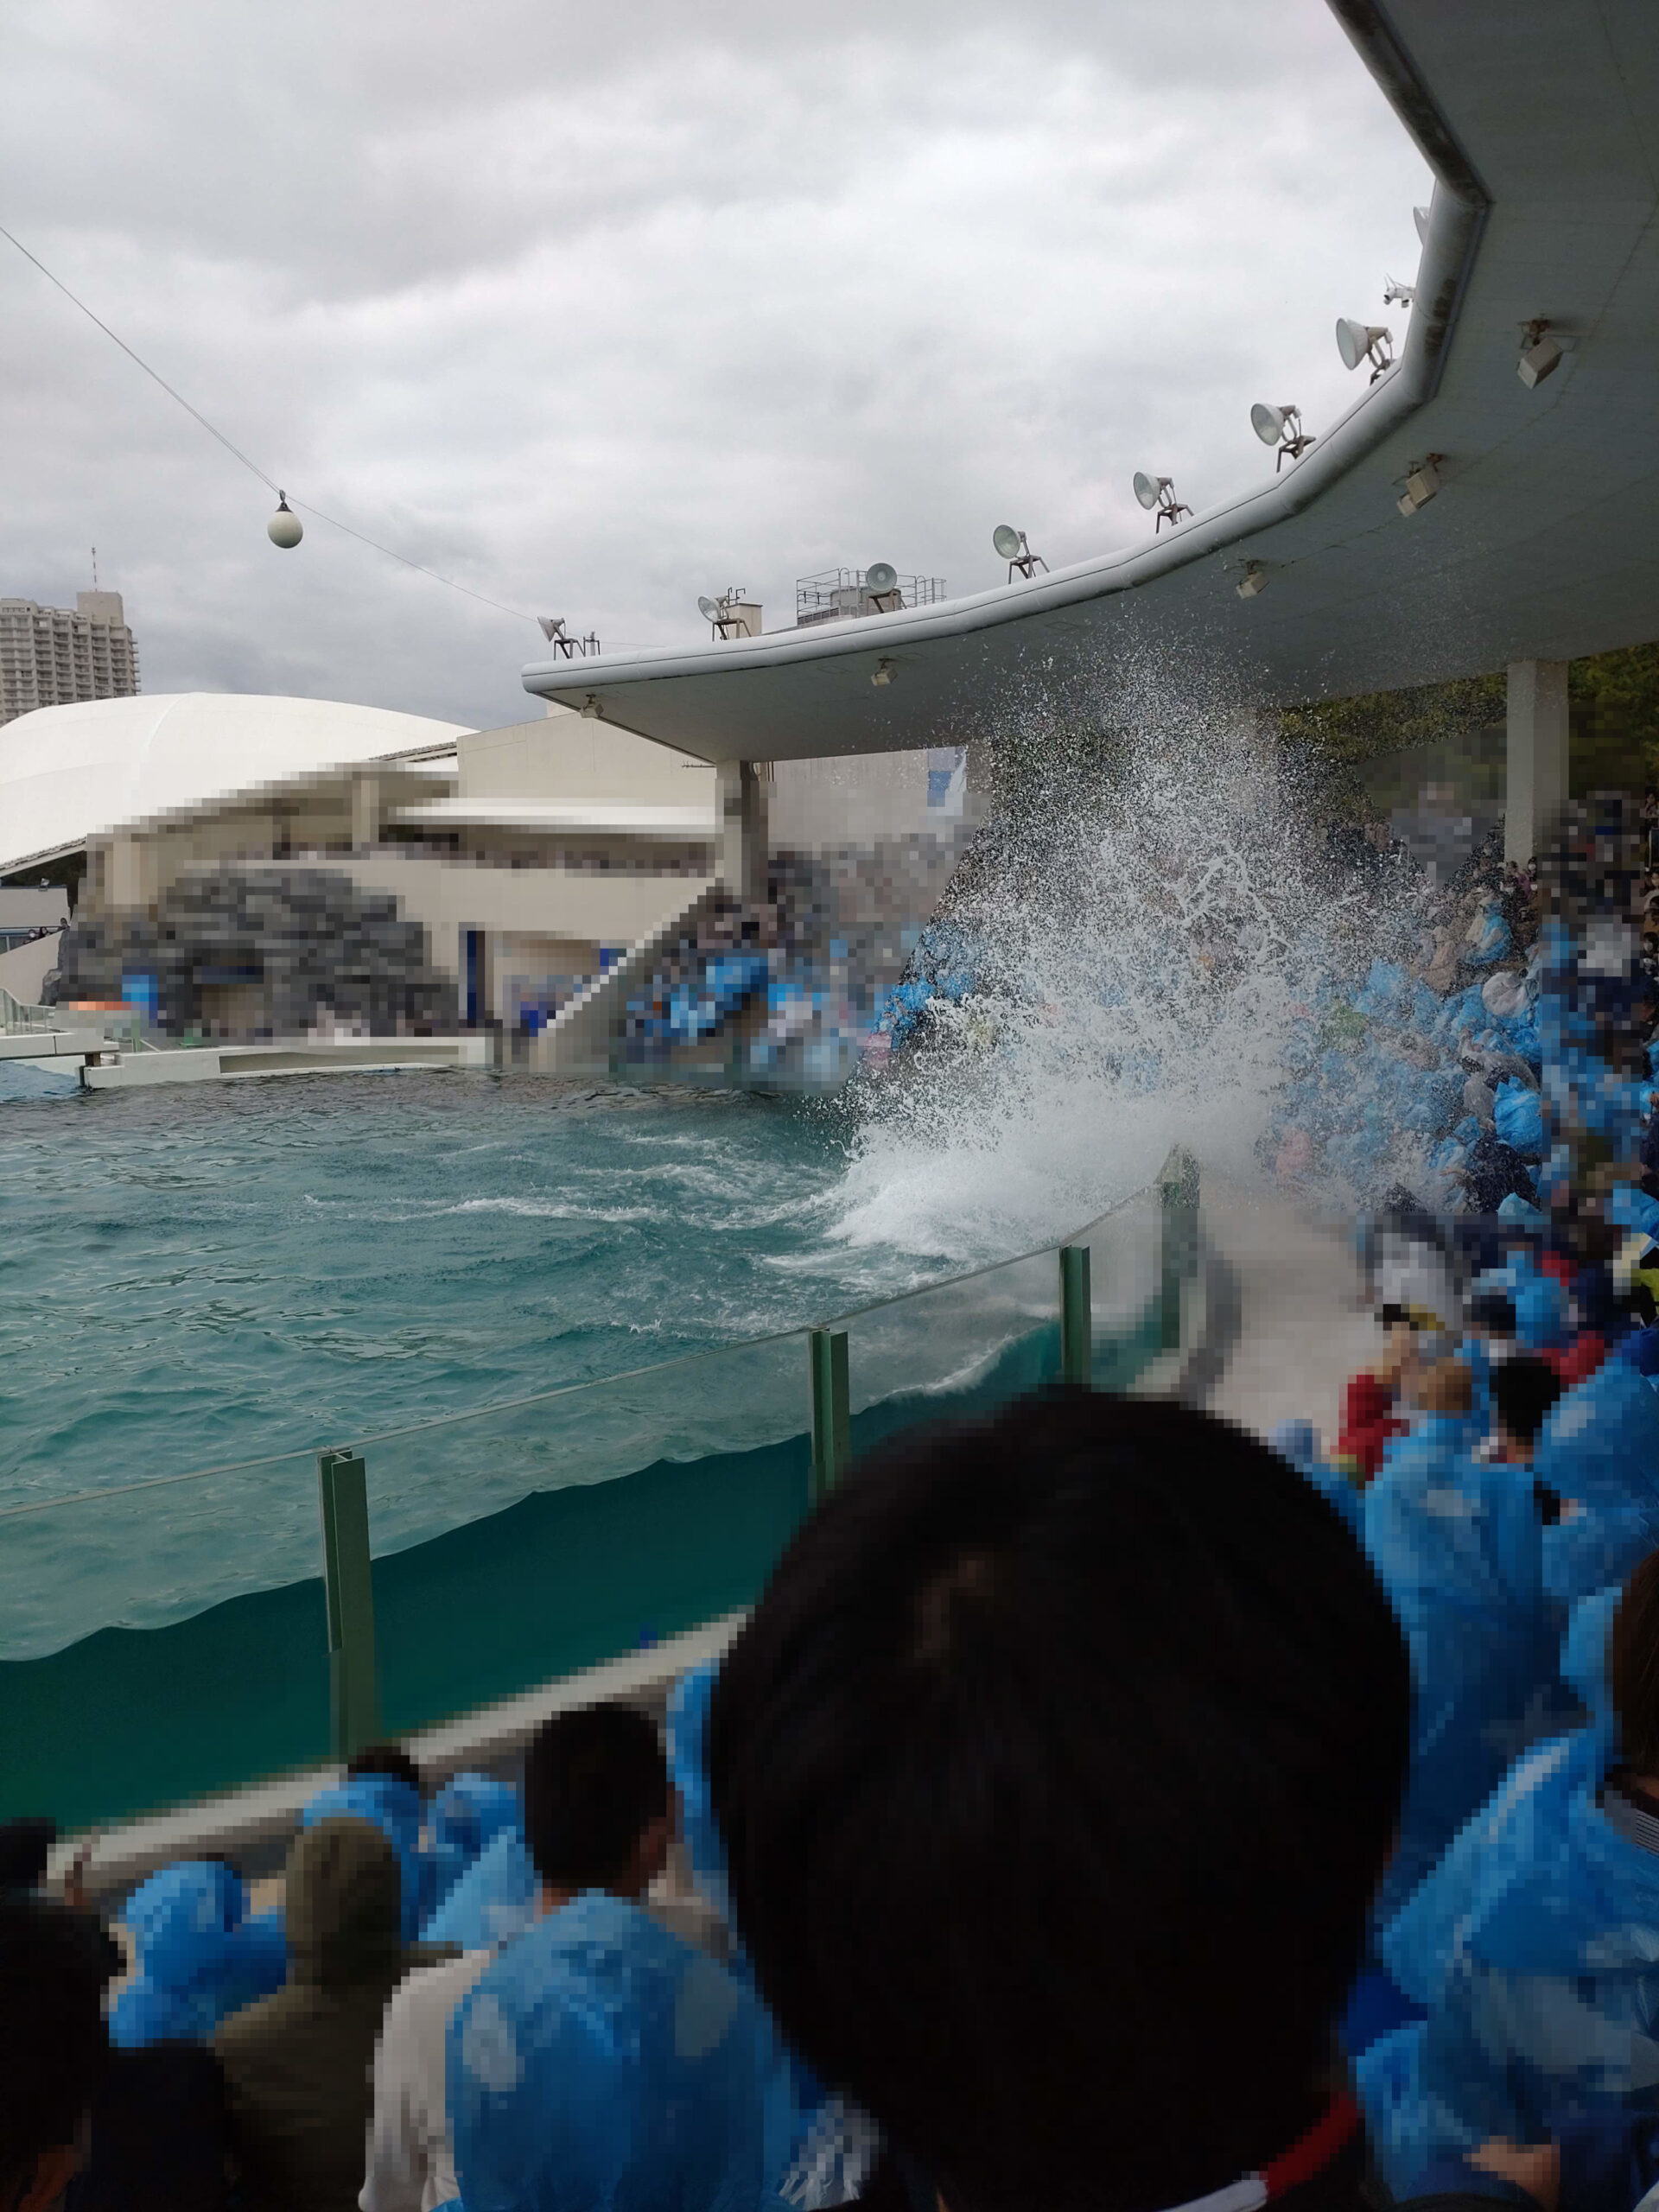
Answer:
(67, 773)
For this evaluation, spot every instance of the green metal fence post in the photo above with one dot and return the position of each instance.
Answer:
(1178, 1193)
(354, 1693)
(1076, 1316)
(831, 1415)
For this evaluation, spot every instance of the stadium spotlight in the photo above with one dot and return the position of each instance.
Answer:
(1422, 482)
(1010, 544)
(1253, 581)
(284, 528)
(1280, 427)
(1364, 342)
(882, 674)
(721, 613)
(1540, 355)
(1159, 492)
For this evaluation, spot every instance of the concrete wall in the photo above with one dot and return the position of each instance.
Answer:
(564, 756)
(818, 804)
(23, 969)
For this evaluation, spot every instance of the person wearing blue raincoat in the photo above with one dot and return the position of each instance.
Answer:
(493, 1901)
(394, 1804)
(1456, 1542)
(603, 2065)
(466, 1816)
(1599, 1450)
(1298, 1441)
(1534, 1945)
(199, 1958)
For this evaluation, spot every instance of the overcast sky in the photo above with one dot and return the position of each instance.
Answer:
(596, 310)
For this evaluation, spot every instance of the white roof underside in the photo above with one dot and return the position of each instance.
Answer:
(1540, 119)
(67, 773)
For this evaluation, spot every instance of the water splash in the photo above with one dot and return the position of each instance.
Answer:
(1151, 909)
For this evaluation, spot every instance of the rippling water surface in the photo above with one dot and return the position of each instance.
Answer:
(188, 1276)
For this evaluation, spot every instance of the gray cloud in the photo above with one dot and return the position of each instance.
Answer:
(596, 310)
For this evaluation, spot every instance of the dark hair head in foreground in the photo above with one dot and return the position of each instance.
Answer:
(1056, 1769)
(53, 1964)
(595, 1782)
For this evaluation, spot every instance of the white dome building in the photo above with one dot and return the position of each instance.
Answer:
(73, 773)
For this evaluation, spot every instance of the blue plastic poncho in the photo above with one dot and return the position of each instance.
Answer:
(1584, 1652)
(1540, 1312)
(198, 1960)
(1600, 1443)
(602, 2065)
(395, 1807)
(493, 1901)
(688, 1722)
(1535, 1946)
(1456, 1544)
(1600, 1448)
(1298, 1441)
(1519, 1115)
(466, 1816)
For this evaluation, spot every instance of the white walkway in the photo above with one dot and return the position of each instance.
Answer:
(1302, 1327)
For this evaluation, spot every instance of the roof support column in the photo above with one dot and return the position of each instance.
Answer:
(1535, 781)
(743, 850)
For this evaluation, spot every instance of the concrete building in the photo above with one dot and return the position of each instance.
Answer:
(251, 867)
(50, 656)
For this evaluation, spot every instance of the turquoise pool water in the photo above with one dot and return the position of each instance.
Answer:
(194, 1276)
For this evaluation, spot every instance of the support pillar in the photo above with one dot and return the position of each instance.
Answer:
(365, 813)
(743, 829)
(1536, 783)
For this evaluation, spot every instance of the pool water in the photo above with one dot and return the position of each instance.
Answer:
(194, 1276)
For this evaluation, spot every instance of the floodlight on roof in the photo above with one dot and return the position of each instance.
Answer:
(284, 528)
(1280, 427)
(1422, 482)
(1364, 342)
(1253, 581)
(550, 626)
(1158, 492)
(1419, 217)
(1011, 544)
(1396, 295)
(720, 613)
(1540, 355)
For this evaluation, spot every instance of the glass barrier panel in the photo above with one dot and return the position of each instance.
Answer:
(952, 1349)
(529, 1541)
(161, 1644)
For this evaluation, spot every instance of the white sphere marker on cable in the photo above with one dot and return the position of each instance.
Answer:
(284, 529)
